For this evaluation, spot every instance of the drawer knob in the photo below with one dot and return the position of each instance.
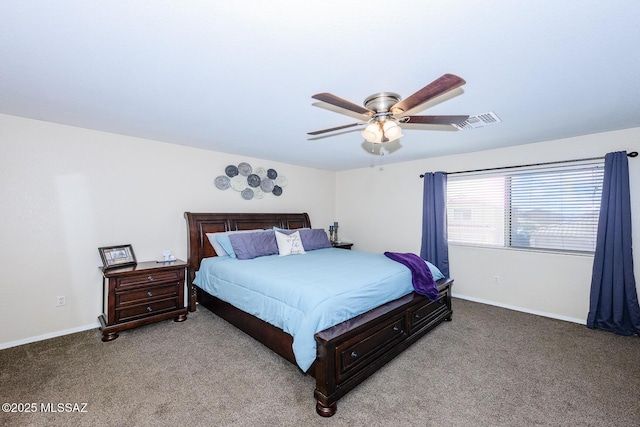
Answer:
(150, 278)
(149, 309)
(417, 315)
(354, 355)
(149, 294)
(396, 329)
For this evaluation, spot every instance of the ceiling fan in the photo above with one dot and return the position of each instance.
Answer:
(384, 112)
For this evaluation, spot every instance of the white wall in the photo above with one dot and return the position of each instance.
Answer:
(379, 209)
(66, 191)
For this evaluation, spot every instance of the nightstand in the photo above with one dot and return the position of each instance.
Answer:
(145, 293)
(342, 245)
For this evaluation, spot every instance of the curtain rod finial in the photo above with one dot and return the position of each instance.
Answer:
(633, 154)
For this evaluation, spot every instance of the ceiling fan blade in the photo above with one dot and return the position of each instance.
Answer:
(342, 103)
(436, 88)
(334, 109)
(433, 120)
(318, 132)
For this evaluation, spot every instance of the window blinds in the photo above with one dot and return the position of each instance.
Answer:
(543, 207)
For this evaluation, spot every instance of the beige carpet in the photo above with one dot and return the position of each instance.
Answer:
(488, 367)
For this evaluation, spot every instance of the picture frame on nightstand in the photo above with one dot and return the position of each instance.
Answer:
(117, 256)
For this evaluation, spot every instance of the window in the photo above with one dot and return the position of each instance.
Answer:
(545, 207)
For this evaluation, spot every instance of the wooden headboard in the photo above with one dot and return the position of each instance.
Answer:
(199, 224)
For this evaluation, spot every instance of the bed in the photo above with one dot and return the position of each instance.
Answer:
(346, 353)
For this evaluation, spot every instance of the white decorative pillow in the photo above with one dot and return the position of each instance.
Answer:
(289, 244)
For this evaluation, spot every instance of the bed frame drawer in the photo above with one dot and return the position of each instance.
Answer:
(422, 314)
(365, 346)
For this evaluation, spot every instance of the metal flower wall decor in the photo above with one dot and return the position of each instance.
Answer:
(252, 184)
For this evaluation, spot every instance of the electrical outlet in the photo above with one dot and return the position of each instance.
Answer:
(496, 280)
(61, 300)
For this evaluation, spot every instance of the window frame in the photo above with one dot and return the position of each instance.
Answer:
(596, 166)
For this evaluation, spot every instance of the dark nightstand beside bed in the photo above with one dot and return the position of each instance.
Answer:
(141, 294)
(342, 245)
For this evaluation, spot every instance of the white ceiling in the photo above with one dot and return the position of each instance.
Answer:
(237, 77)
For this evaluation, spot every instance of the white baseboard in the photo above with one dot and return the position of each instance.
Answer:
(524, 310)
(49, 335)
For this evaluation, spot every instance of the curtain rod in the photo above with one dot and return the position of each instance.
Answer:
(631, 154)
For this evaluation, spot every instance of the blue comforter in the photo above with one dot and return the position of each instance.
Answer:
(307, 293)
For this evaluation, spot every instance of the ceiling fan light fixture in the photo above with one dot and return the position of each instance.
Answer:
(372, 133)
(382, 131)
(391, 130)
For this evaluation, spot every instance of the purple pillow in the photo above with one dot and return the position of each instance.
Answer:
(315, 238)
(253, 245)
(312, 239)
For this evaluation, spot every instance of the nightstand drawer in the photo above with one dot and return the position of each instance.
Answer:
(150, 309)
(149, 278)
(148, 293)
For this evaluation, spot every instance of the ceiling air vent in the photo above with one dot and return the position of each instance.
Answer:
(481, 120)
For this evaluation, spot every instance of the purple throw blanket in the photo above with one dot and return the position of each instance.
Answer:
(421, 276)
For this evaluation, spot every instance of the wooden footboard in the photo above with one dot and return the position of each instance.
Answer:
(351, 351)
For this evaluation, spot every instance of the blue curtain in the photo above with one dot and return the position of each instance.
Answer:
(435, 247)
(614, 299)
